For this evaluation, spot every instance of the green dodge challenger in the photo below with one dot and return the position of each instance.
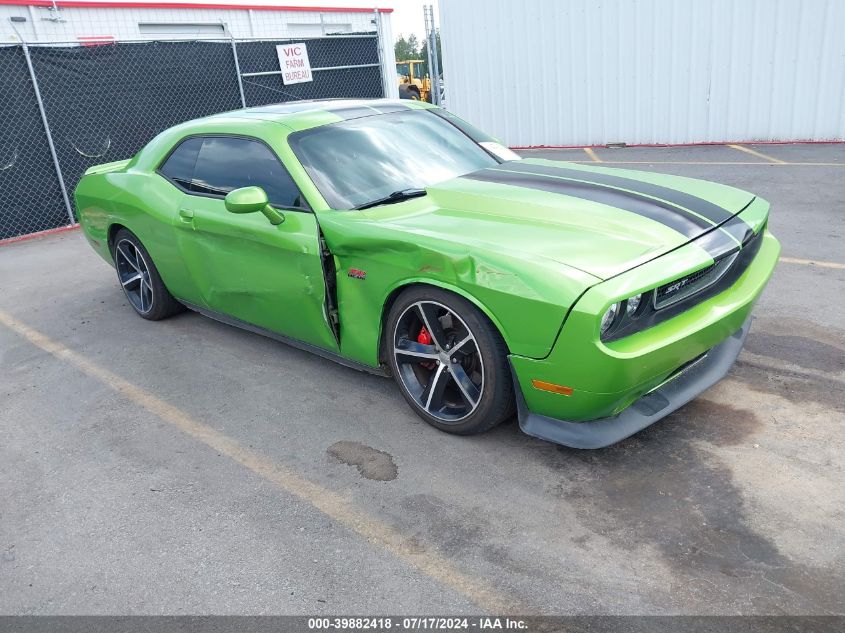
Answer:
(393, 237)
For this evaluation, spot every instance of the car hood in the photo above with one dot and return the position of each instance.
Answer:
(602, 221)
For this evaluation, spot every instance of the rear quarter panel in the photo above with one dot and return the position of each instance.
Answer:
(146, 205)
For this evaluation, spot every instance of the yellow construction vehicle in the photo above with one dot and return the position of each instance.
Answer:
(414, 82)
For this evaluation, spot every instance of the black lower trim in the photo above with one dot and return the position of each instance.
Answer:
(307, 347)
(687, 383)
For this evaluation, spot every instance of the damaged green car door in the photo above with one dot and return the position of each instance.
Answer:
(243, 266)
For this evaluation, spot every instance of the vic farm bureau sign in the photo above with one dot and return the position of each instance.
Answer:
(296, 68)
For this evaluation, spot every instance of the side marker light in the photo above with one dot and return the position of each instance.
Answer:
(548, 386)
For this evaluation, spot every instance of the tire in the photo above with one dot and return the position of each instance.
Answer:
(427, 365)
(140, 280)
(407, 91)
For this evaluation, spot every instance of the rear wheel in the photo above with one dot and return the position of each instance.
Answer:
(140, 280)
(449, 361)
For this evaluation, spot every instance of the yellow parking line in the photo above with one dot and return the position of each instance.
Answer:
(709, 162)
(592, 155)
(753, 152)
(768, 363)
(812, 262)
(426, 559)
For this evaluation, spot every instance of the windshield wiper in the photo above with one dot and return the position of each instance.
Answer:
(396, 196)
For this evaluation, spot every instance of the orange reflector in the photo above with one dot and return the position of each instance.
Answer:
(548, 386)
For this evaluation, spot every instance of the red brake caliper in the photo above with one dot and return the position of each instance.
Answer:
(424, 338)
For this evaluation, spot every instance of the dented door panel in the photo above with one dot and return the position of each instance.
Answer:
(245, 267)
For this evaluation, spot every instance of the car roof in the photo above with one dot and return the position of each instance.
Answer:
(299, 115)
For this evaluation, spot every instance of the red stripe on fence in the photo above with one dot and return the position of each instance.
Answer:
(32, 236)
(123, 4)
(96, 40)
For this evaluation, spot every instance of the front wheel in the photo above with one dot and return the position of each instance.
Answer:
(449, 361)
(407, 91)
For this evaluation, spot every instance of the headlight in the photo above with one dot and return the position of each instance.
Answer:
(632, 304)
(609, 317)
(625, 317)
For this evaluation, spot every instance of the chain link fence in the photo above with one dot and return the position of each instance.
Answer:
(103, 103)
(30, 194)
(346, 66)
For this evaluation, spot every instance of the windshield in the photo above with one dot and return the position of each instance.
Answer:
(358, 161)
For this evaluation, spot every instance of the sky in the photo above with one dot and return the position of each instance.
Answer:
(407, 17)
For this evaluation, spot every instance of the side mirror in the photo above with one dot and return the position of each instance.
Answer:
(252, 200)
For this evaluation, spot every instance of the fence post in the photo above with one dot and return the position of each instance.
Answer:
(434, 54)
(377, 21)
(237, 63)
(386, 59)
(433, 60)
(68, 206)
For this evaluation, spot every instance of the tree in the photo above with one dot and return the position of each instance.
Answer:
(407, 48)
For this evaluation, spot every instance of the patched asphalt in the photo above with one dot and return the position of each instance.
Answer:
(732, 505)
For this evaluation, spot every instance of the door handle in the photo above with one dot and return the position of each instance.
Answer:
(187, 215)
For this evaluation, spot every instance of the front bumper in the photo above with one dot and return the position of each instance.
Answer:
(685, 385)
(623, 383)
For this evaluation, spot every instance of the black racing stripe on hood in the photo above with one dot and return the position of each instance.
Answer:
(657, 210)
(705, 208)
(739, 229)
(727, 238)
(717, 243)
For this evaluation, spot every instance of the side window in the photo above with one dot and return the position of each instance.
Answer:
(227, 163)
(179, 167)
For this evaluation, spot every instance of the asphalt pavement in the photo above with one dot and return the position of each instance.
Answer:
(186, 466)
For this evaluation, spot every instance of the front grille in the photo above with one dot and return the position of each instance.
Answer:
(680, 289)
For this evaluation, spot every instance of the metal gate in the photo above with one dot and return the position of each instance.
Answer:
(67, 107)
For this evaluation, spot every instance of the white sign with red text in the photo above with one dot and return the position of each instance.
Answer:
(296, 68)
